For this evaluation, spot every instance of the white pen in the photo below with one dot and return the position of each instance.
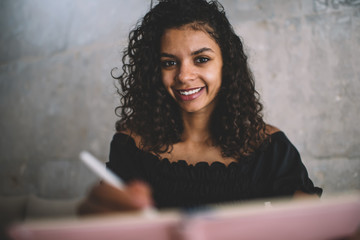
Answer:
(101, 170)
(109, 177)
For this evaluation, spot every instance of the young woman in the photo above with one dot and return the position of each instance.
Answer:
(191, 130)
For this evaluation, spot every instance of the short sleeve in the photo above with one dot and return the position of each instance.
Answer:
(288, 172)
(122, 158)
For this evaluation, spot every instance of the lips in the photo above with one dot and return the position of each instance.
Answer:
(189, 94)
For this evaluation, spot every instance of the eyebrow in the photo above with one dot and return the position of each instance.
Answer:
(201, 50)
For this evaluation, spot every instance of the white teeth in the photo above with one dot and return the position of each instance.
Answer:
(190, 92)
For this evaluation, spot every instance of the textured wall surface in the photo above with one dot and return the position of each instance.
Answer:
(57, 96)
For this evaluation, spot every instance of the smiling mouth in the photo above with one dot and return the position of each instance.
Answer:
(188, 94)
(190, 91)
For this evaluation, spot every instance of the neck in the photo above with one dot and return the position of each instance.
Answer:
(196, 127)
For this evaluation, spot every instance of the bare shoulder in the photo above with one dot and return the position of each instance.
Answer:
(270, 129)
(126, 132)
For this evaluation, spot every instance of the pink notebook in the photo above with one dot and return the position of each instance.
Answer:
(328, 218)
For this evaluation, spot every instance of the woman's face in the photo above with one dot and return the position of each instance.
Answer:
(191, 64)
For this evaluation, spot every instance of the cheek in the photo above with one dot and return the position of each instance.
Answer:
(219, 77)
(166, 80)
(163, 78)
(215, 78)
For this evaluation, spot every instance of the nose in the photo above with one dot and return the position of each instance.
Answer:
(186, 72)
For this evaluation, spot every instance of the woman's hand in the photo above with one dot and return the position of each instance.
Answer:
(104, 198)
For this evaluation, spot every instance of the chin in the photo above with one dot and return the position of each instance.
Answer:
(192, 109)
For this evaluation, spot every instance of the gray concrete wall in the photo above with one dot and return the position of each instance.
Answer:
(57, 96)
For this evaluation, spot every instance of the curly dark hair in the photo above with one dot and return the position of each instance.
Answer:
(236, 125)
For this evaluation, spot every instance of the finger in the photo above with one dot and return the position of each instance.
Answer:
(133, 197)
(87, 207)
(111, 197)
(140, 193)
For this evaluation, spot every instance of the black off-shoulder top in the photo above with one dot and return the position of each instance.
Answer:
(275, 170)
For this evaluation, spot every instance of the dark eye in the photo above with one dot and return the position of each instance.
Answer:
(168, 63)
(202, 60)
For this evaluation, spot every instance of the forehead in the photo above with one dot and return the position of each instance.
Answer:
(186, 38)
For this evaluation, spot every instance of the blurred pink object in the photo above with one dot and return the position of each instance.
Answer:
(328, 218)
